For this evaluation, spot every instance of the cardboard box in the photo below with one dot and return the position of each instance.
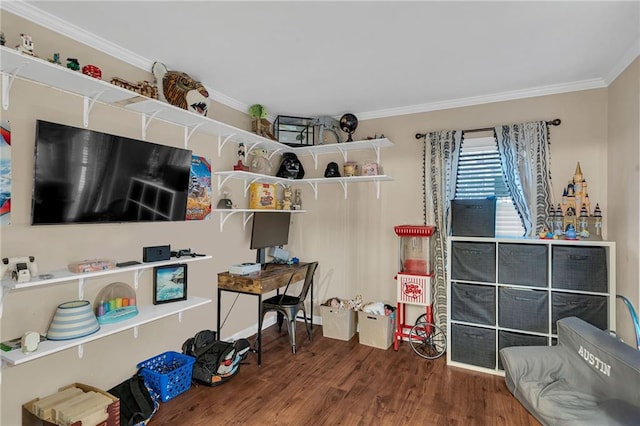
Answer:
(338, 323)
(29, 417)
(376, 330)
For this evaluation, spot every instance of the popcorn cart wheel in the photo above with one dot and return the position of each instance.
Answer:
(427, 339)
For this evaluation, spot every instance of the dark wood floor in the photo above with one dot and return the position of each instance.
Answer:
(332, 382)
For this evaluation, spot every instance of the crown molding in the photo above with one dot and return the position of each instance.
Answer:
(32, 13)
(74, 32)
(486, 99)
(632, 53)
(53, 23)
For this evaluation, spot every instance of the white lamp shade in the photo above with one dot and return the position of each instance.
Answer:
(72, 320)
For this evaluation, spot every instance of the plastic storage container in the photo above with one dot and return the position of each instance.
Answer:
(169, 374)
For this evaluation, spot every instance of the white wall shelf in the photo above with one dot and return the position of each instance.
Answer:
(14, 64)
(146, 314)
(247, 214)
(248, 178)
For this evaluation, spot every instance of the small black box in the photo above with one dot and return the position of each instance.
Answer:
(473, 218)
(156, 253)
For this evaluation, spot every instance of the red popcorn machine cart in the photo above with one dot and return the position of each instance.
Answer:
(415, 251)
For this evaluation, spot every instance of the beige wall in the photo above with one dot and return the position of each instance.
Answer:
(352, 238)
(623, 193)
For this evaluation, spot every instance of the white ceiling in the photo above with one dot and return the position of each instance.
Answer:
(371, 58)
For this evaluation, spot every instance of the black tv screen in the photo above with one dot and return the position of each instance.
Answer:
(85, 176)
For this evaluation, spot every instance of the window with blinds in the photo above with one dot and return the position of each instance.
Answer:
(480, 176)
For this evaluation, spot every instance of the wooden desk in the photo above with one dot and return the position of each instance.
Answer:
(256, 284)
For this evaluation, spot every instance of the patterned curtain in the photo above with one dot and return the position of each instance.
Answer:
(524, 154)
(441, 151)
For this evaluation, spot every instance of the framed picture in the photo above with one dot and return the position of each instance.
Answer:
(169, 283)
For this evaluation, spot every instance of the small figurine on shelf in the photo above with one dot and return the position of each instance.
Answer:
(239, 166)
(285, 204)
(571, 233)
(26, 45)
(55, 59)
(297, 200)
(73, 64)
(225, 201)
(260, 162)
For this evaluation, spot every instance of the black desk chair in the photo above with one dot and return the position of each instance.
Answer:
(288, 306)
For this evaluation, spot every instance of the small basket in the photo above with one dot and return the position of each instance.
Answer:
(169, 374)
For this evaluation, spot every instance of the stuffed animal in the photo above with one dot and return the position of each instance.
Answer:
(376, 308)
(260, 162)
(179, 89)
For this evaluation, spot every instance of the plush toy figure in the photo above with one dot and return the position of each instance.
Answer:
(260, 162)
(179, 89)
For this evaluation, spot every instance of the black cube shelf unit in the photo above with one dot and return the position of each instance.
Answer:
(510, 292)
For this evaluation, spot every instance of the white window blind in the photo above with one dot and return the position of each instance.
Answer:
(480, 176)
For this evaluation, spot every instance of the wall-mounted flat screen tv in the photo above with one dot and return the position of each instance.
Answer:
(85, 176)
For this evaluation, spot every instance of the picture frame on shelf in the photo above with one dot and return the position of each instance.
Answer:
(169, 283)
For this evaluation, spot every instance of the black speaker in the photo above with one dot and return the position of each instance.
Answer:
(156, 253)
(473, 218)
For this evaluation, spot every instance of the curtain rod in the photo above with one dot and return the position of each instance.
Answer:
(554, 122)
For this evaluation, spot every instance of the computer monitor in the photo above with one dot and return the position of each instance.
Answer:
(270, 229)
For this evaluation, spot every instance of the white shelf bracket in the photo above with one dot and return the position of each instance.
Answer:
(222, 181)
(344, 188)
(5, 291)
(377, 150)
(224, 216)
(7, 82)
(314, 155)
(222, 143)
(274, 152)
(180, 316)
(80, 350)
(88, 104)
(81, 283)
(344, 154)
(146, 120)
(314, 187)
(246, 217)
(189, 132)
(378, 189)
(135, 332)
(136, 278)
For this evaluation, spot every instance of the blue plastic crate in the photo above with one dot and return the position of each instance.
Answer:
(169, 374)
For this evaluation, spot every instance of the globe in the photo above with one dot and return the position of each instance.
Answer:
(348, 124)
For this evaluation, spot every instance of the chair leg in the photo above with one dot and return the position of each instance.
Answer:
(280, 319)
(292, 333)
(306, 323)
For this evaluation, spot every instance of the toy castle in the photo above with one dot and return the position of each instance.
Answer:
(574, 210)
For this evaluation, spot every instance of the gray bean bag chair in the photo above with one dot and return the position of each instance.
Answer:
(589, 378)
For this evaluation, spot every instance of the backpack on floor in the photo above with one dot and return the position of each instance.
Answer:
(138, 402)
(216, 361)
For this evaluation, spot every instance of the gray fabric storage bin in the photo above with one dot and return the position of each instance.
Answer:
(509, 338)
(522, 264)
(579, 268)
(473, 303)
(473, 345)
(522, 309)
(590, 308)
(473, 261)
